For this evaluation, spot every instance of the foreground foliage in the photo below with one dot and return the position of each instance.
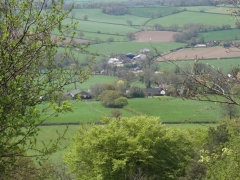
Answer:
(128, 147)
(28, 74)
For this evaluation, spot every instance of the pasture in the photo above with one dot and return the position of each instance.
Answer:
(176, 109)
(84, 111)
(132, 47)
(168, 109)
(223, 35)
(154, 36)
(222, 10)
(151, 12)
(106, 28)
(187, 17)
(225, 65)
(198, 8)
(96, 15)
(95, 79)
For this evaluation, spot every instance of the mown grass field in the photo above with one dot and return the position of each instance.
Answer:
(48, 133)
(225, 65)
(176, 109)
(168, 109)
(150, 12)
(85, 111)
(97, 15)
(133, 47)
(233, 34)
(187, 17)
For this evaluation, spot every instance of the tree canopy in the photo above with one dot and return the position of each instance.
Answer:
(124, 147)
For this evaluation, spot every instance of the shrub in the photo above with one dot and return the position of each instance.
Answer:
(120, 102)
(136, 92)
(108, 98)
(115, 113)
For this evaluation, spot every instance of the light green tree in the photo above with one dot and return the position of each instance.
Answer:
(29, 74)
(126, 147)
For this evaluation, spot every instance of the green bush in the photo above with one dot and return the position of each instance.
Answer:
(136, 92)
(128, 148)
(108, 98)
(120, 102)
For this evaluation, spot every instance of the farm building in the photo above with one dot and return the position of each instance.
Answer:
(144, 51)
(75, 93)
(115, 62)
(140, 57)
(200, 45)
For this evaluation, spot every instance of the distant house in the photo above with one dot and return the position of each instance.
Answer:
(140, 57)
(211, 43)
(200, 45)
(144, 51)
(152, 91)
(75, 93)
(115, 62)
(130, 55)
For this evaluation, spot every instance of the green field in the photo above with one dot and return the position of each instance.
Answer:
(133, 47)
(85, 111)
(198, 8)
(103, 37)
(48, 133)
(187, 17)
(97, 15)
(150, 12)
(102, 27)
(225, 65)
(176, 109)
(222, 10)
(167, 108)
(233, 34)
(91, 81)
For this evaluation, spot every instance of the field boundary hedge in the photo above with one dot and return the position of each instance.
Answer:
(100, 123)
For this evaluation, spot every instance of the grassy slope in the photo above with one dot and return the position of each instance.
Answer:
(85, 111)
(167, 108)
(176, 109)
(97, 15)
(187, 17)
(221, 35)
(131, 47)
(49, 132)
(224, 64)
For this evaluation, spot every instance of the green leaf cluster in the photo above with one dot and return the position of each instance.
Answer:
(126, 147)
(112, 99)
(28, 73)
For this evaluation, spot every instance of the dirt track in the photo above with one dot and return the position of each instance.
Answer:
(154, 36)
(202, 53)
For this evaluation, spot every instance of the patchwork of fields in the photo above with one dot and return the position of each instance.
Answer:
(99, 27)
